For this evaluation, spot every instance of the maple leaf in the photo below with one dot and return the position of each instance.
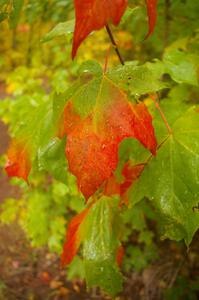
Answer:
(18, 159)
(33, 132)
(74, 237)
(175, 172)
(92, 145)
(93, 15)
(152, 15)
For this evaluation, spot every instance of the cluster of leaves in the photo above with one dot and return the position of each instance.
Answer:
(104, 129)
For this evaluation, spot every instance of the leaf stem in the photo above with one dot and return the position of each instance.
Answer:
(151, 156)
(161, 113)
(114, 44)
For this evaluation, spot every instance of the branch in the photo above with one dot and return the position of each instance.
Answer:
(161, 114)
(114, 44)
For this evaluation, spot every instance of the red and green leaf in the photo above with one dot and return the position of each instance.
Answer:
(74, 237)
(92, 145)
(33, 132)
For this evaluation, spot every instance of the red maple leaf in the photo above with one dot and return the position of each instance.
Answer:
(92, 146)
(93, 15)
(18, 159)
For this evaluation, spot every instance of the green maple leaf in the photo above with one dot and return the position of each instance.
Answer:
(171, 179)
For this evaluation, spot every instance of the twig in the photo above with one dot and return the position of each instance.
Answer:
(114, 44)
(161, 113)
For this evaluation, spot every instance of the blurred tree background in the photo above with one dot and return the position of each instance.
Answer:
(36, 68)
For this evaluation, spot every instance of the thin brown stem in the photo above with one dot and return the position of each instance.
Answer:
(114, 44)
(147, 161)
(161, 114)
